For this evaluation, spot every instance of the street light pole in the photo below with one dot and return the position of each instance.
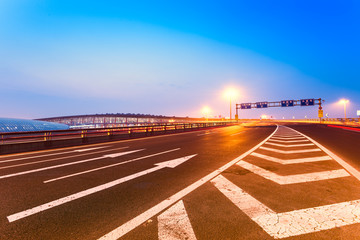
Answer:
(345, 109)
(229, 94)
(230, 107)
(344, 101)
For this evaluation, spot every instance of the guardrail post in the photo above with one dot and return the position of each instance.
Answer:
(110, 133)
(83, 136)
(47, 136)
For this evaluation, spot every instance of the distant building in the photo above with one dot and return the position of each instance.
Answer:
(25, 125)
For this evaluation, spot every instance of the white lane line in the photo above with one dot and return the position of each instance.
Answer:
(170, 164)
(50, 154)
(291, 141)
(50, 150)
(297, 178)
(290, 145)
(290, 151)
(63, 165)
(236, 133)
(89, 149)
(291, 161)
(60, 158)
(138, 220)
(174, 223)
(38, 156)
(293, 223)
(207, 133)
(344, 164)
(108, 166)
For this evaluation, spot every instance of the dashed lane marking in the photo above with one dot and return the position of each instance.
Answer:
(291, 161)
(88, 149)
(50, 154)
(170, 164)
(138, 220)
(66, 164)
(174, 223)
(291, 179)
(108, 166)
(236, 133)
(207, 133)
(290, 151)
(60, 158)
(293, 223)
(290, 145)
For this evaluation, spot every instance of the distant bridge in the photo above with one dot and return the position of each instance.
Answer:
(119, 120)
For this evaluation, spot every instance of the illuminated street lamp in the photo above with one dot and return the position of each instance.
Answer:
(230, 93)
(344, 101)
(206, 112)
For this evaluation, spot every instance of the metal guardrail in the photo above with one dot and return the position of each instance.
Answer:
(126, 132)
(337, 121)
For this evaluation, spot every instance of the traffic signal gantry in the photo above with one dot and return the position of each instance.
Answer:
(282, 103)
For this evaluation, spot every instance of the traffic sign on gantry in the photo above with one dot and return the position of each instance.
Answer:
(282, 103)
(245, 106)
(287, 103)
(261, 104)
(307, 102)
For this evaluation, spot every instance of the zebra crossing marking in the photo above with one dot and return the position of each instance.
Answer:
(174, 223)
(291, 161)
(290, 151)
(293, 223)
(291, 179)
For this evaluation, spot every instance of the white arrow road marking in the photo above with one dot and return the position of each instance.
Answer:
(60, 158)
(108, 166)
(174, 224)
(297, 178)
(63, 165)
(72, 197)
(291, 141)
(138, 220)
(291, 151)
(291, 161)
(293, 223)
(50, 154)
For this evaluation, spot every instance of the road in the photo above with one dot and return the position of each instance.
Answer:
(239, 182)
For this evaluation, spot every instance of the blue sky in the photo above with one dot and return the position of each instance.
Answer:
(174, 57)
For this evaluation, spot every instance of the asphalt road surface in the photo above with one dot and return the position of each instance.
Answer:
(239, 182)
